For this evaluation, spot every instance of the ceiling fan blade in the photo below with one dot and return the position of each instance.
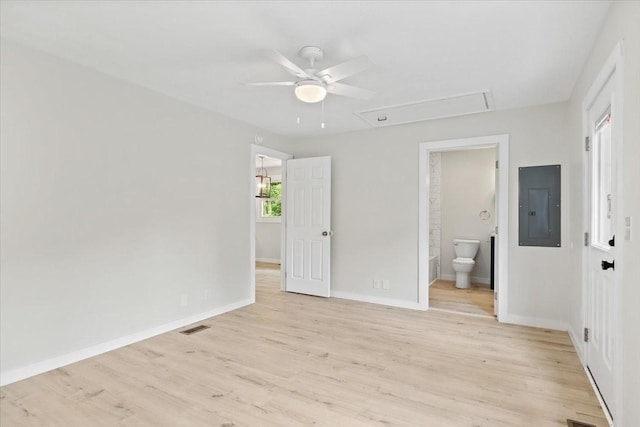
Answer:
(351, 91)
(288, 65)
(344, 70)
(271, 84)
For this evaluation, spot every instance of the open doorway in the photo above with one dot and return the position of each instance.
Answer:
(268, 205)
(498, 219)
(267, 210)
(462, 224)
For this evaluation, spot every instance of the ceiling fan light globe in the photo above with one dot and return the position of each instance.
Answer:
(310, 91)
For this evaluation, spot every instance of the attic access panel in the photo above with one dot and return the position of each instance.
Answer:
(539, 206)
(429, 109)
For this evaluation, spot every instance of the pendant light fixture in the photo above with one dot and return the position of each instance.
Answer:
(263, 182)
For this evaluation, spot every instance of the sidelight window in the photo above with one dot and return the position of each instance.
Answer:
(601, 185)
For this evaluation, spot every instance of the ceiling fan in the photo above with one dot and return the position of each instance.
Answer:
(312, 85)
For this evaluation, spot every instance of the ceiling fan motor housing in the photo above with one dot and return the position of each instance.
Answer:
(312, 54)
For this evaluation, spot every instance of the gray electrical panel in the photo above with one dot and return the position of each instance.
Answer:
(539, 213)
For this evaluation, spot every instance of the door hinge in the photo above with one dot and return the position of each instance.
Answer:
(497, 163)
(586, 238)
(586, 335)
(587, 143)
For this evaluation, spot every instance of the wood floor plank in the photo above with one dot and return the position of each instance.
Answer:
(477, 300)
(292, 360)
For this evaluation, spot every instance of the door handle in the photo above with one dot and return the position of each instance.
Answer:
(327, 233)
(607, 265)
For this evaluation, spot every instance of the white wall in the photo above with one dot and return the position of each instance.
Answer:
(112, 208)
(622, 22)
(376, 225)
(468, 187)
(268, 236)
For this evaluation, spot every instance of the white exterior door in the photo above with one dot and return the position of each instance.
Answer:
(601, 277)
(308, 226)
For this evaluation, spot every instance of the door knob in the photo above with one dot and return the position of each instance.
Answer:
(607, 265)
(327, 233)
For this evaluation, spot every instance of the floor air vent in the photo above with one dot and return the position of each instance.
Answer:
(194, 329)
(574, 423)
(430, 109)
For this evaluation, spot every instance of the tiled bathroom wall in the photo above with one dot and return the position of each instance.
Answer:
(434, 207)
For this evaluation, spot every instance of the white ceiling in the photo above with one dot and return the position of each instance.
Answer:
(524, 52)
(269, 162)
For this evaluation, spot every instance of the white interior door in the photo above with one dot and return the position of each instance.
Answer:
(601, 275)
(308, 226)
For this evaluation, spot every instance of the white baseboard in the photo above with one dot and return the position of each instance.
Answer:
(269, 260)
(485, 281)
(535, 322)
(377, 300)
(596, 390)
(578, 344)
(474, 279)
(21, 373)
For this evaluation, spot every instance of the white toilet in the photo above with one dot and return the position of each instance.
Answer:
(466, 251)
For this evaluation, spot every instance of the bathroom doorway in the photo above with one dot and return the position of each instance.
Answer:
(462, 224)
(463, 196)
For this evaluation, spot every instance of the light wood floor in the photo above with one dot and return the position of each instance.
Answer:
(292, 360)
(477, 300)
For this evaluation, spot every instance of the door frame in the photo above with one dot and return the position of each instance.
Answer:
(613, 68)
(501, 144)
(256, 150)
